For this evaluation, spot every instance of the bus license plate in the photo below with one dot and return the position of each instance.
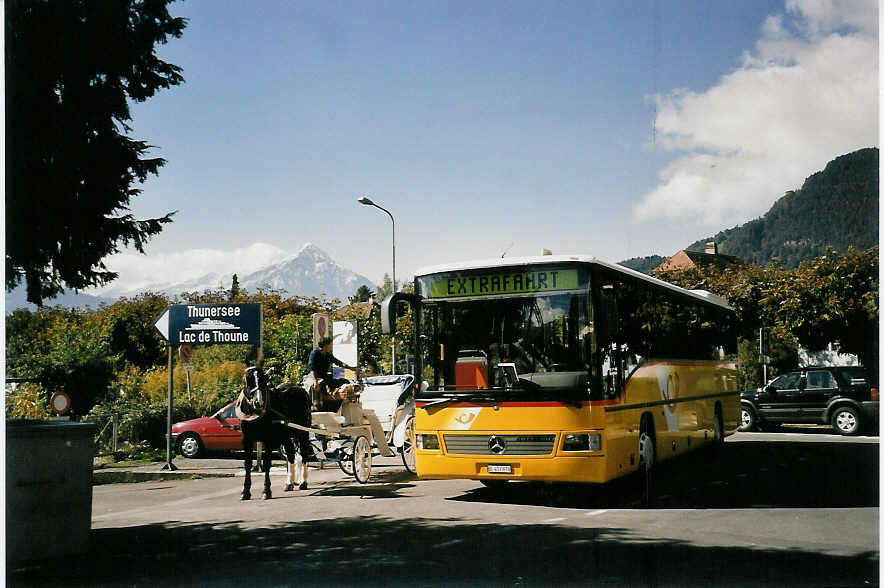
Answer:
(500, 468)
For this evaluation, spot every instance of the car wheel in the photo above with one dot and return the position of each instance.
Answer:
(189, 445)
(748, 422)
(845, 419)
(647, 450)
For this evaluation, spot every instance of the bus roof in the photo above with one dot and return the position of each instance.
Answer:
(501, 262)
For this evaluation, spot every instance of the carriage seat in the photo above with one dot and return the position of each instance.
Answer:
(327, 419)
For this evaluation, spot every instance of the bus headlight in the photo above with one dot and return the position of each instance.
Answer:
(427, 442)
(582, 442)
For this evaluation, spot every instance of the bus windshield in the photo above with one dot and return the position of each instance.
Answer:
(522, 344)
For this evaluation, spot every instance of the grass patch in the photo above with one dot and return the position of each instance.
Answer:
(129, 456)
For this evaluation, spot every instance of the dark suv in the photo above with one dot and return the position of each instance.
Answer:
(840, 396)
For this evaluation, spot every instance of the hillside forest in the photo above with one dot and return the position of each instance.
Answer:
(836, 207)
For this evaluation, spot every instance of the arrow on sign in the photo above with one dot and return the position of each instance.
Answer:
(162, 325)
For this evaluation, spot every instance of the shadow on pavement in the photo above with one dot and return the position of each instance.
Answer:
(371, 551)
(375, 490)
(748, 474)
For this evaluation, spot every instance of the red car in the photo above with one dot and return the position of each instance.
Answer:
(197, 437)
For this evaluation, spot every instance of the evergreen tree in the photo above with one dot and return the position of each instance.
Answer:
(71, 69)
(363, 294)
(386, 288)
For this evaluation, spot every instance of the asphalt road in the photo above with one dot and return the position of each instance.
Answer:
(785, 509)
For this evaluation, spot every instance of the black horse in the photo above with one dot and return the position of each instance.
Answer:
(264, 415)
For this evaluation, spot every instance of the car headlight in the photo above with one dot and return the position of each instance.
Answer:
(582, 442)
(427, 442)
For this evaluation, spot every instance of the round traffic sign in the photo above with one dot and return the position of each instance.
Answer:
(186, 353)
(60, 403)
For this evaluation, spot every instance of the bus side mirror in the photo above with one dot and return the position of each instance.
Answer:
(388, 309)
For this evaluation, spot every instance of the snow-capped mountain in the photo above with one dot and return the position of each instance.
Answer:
(310, 272)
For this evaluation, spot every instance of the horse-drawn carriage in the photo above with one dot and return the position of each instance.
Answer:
(284, 416)
(350, 436)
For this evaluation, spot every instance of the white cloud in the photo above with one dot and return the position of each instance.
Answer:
(806, 94)
(821, 16)
(137, 271)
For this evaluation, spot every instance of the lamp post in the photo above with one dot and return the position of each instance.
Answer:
(367, 202)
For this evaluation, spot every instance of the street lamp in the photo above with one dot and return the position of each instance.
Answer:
(367, 202)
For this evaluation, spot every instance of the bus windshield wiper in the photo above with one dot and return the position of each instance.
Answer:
(483, 395)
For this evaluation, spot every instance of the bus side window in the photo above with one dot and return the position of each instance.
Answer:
(611, 369)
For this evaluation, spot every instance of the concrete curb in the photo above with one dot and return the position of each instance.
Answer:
(127, 477)
(195, 469)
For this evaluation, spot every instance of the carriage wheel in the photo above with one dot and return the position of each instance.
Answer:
(346, 463)
(408, 458)
(362, 459)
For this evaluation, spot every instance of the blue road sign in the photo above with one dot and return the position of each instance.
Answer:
(211, 324)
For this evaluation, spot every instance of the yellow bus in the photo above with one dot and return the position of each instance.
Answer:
(564, 368)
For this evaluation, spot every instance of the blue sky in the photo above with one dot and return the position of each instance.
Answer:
(617, 129)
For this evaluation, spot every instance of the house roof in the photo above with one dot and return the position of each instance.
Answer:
(360, 309)
(686, 259)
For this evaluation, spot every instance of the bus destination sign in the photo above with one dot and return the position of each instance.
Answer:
(497, 283)
(211, 324)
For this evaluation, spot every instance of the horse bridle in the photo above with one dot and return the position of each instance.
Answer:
(252, 401)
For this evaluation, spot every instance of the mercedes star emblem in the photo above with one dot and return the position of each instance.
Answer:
(496, 445)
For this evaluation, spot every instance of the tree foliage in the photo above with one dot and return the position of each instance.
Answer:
(363, 294)
(71, 70)
(386, 288)
(645, 264)
(831, 299)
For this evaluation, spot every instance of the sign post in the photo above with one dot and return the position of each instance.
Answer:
(206, 324)
(185, 352)
(169, 465)
(764, 349)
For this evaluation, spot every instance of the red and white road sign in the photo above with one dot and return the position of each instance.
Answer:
(60, 403)
(186, 353)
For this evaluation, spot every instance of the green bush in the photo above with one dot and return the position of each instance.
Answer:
(26, 401)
